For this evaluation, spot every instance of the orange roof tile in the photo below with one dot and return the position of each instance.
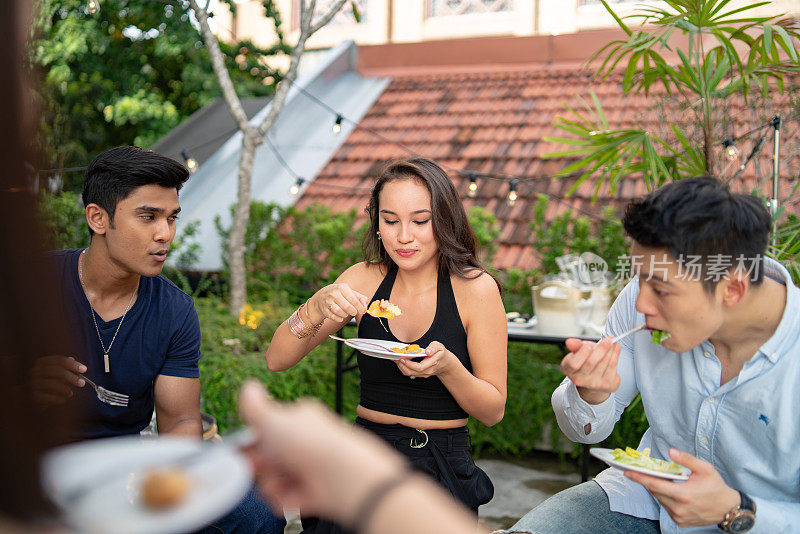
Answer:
(494, 121)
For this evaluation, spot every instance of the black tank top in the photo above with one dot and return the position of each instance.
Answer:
(385, 389)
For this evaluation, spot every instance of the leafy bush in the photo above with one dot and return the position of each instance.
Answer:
(290, 253)
(487, 230)
(64, 220)
(570, 234)
(232, 353)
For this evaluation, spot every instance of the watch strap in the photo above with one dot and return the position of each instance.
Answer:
(747, 502)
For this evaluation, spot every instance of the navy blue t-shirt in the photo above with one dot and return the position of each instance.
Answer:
(159, 336)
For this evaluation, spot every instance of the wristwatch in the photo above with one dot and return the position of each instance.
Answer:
(741, 519)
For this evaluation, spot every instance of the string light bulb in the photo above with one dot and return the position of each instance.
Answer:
(191, 163)
(93, 6)
(337, 125)
(473, 187)
(512, 192)
(730, 149)
(295, 189)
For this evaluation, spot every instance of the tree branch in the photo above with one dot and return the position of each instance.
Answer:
(306, 31)
(218, 64)
(326, 18)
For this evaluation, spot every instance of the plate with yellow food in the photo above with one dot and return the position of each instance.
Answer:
(381, 348)
(630, 459)
(158, 486)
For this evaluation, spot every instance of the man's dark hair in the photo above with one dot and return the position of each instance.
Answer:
(701, 217)
(114, 174)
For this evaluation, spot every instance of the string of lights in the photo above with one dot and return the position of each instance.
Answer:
(515, 182)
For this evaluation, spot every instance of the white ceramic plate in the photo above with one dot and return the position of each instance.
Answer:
(381, 348)
(605, 455)
(115, 468)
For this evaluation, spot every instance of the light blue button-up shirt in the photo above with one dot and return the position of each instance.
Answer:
(748, 428)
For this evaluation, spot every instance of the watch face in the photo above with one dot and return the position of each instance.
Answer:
(742, 523)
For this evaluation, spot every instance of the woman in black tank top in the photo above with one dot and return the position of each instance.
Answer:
(420, 254)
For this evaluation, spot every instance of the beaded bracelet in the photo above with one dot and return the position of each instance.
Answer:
(367, 508)
(299, 327)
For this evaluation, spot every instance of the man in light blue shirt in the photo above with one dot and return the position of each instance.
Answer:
(722, 392)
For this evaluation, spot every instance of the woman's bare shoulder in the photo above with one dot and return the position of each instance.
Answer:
(477, 282)
(363, 277)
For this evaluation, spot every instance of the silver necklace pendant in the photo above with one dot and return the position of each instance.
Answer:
(106, 366)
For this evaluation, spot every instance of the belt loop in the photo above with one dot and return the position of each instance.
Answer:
(449, 442)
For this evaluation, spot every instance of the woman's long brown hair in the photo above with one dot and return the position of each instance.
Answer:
(453, 232)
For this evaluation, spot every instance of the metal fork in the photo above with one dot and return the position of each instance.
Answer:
(359, 341)
(109, 397)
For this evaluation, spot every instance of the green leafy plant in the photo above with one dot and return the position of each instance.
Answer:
(710, 69)
(232, 353)
(291, 253)
(570, 234)
(125, 75)
(787, 246)
(64, 220)
(487, 230)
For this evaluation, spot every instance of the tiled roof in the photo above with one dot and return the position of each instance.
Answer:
(494, 121)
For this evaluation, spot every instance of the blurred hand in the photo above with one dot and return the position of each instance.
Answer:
(53, 377)
(338, 302)
(592, 367)
(437, 361)
(704, 499)
(307, 458)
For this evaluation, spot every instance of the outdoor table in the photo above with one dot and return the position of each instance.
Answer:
(521, 334)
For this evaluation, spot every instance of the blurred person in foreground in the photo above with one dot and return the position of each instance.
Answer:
(30, 326)
(420, 255)
(720, 393)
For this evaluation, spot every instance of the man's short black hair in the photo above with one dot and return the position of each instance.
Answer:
(701, 218)
(114, 174)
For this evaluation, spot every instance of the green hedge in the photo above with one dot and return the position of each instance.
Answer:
(533, 373)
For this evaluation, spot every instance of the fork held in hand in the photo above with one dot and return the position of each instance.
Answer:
(109, 397)
(629, 332)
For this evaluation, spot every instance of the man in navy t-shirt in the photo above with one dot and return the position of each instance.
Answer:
(137, 333)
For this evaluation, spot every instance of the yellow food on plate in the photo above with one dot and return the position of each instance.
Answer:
(383, 308)
(632, 457)
(408, 349)
(164, 488)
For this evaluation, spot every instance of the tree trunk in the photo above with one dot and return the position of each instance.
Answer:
(252, 136)
(241, 216)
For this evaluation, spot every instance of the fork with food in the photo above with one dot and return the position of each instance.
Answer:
(383, 309)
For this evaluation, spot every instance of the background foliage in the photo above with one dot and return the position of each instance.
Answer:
(126, 75)
(292, 260)
(702, 57)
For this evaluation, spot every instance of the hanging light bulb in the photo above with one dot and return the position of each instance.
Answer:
(730, 149)
(93, 6)
(473, 187)
(337, 126)
(191, 163)
(295, 189)
(512, 192)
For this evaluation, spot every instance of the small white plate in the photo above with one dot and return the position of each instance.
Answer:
(219, 479)
(526, 325)
(605, 455)
(380, 348)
